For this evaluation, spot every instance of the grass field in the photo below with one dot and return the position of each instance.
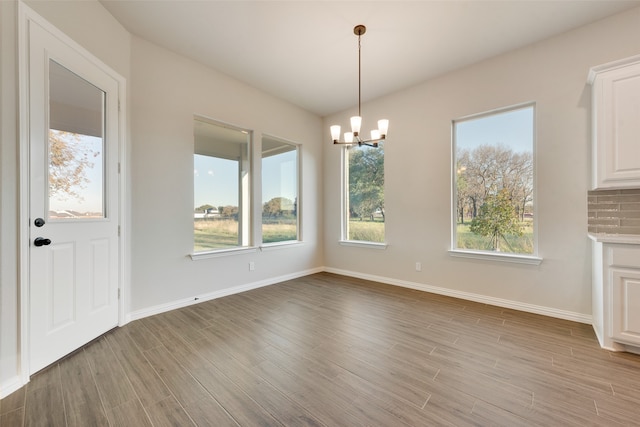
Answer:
(220, 234)
(368, 231)
(281, 231)
(216, 234)
(513, 244)
(373, 231)
(223, 233)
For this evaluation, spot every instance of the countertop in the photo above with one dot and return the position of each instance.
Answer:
(633, 239)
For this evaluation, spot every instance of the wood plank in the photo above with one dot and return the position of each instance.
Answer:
(14, 418)
(128, 414)
(294, 357)
(169, 413)
(44, 404)
(559, 412)
(148, 386)
(499, 393)
(142, 336)
(45, 407)
(208, 412)
(82, 402)
(318, 399)
(407, 413)
(227, 394)
(264, 394)
(108, 374)
(182, 325)
(14, 401)
(488, 414)
(183, 386)
(619, 409)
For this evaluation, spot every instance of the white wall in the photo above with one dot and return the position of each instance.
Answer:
(552, 73)
(90, 25)
(8, 199)
(167, 90)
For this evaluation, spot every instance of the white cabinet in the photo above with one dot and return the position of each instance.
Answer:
(616, 292)
(625, 289)
(616, 124)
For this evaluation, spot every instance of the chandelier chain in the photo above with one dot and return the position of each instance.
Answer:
(359, 77)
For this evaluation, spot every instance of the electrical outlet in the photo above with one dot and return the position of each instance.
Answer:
(418, 266)
(252, 265)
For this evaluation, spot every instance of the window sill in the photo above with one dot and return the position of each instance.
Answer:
(221, 253)
(512, 258)
(280, 245)
(370, 245)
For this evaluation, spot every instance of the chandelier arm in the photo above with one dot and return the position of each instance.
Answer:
(358, 141)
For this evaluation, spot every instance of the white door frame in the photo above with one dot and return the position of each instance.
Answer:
(26, 16)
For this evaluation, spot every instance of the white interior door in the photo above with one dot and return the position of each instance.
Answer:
(73, 199)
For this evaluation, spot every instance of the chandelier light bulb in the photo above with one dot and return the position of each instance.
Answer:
(348, 137)
(383, 127)
(356, 122)
(335, 132)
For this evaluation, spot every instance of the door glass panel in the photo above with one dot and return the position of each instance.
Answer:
(76, 146)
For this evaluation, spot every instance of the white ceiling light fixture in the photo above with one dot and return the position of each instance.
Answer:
(353, 137)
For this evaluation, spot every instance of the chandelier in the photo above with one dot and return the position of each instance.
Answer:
(353, 137)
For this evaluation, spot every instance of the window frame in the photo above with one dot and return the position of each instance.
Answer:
(298, 196)
(245, 208)
(531, 259)
(344, 208)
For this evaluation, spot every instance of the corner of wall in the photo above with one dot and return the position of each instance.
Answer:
(9, 316)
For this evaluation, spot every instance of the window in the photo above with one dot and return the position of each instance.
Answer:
(279, 190)
(493, 182)
(364, 194)
(221, 216)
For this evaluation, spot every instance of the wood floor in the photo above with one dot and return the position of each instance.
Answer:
(327, 350)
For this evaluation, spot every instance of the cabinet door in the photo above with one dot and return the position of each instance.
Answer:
(625, 301)
(617, 128)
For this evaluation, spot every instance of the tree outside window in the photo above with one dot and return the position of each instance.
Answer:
(494, 182)
(75, 176)
(365, 193)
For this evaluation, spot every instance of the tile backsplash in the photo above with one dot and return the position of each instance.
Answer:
(614, 211)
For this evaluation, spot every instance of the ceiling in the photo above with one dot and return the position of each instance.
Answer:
(305, 52)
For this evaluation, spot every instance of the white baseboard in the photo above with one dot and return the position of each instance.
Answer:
(150, 311)
(10, 385)
(515, 305)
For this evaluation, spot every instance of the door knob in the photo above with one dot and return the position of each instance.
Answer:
(40, 241)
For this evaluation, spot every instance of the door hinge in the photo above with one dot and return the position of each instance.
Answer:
(118, 231)
(118, 167)
(119, 105)
(118, 293)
